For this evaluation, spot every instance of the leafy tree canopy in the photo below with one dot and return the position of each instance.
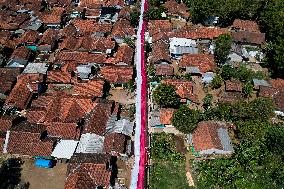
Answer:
(223, 46)
(165, 95)
(185, 119)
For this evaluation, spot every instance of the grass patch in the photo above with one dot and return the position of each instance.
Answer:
(168, 175)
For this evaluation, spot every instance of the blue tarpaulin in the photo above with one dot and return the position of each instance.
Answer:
(45, 163)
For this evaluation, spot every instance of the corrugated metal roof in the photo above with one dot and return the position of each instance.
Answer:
(64, 149)
(90, 143)
(225, 139)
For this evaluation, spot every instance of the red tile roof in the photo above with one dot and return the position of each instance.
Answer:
(122, 28)
(58, 76)
(69, 30)
(206, 137)
(205, 62)
(114, 142)
(29, 37)
(21, 53)
(6, 122)
(117, 74)
(246, 25)
(164, 69)
(166, 115)
(183, 88)
(48, 18)
(156, 26)
(96, 120)
(8, 77)
(249, 37)
(25, 139)
(20, 95)
(124, 55)
(175, 9)
(49, 36)
(276, 94)
(233, 86)
(198, 32)
(88, 175)
(91, 88)
(81, 57)
(277, 83)
(91, 3)
(160, 52)
(63, 130)
(91, 26)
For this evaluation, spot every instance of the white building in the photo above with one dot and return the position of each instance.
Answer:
(180, 46)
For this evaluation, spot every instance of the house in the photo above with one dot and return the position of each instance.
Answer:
(245, 25)
(30, 139)
(160, 53)
(117, 75)
(92, 88)
(176, 10)
(92, 27)
(85, 71)
(180, 46)
(164, 70)
(230, 97)
(121, 30)
(81, 57)
(114, 144)
(64, 149)
(210, 138)
(92, 13)
(87, 171)
(166, 115)
(97, 119)
(91, 4)
(53, 19)
(124, 55)
(19, 57)
(30, 38)
(183, 88)
(248, 38)
(204, 62)
(60, 113)
(8, 78)
(48, 40)
(21, 94)
(158, 26)
(233, 86)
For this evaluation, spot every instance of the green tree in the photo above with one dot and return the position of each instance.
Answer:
(223, 46)
(130, 42)
(134, 18)
(228, 72)
(185, 119)
(165, 95)
(247, 89)
(207, 101)
(217, 82)
(155, 13)
(244, 74)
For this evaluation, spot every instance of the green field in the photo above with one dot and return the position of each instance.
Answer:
(168, 175)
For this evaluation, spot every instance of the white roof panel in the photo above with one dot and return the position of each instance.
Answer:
(65, 149)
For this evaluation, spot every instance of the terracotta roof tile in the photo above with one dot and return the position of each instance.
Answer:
(114, 142)
(21, 53)
(93, 4)
(167, 70)
(58, 76)
(183, 88)
(63, 130)
(49, 36)
(113, 3)
(205, 62)
(156, 26)
(96, 120)
(6, 122)
(69, 30)
(277, 83)
(81, 57)
(88, 175)
(117, 74)
(246, 25)
(160, 52)
(206, 137)
(198, 32)
(91, 88)
(122, 28)
(8, 77)
(233, 86)
(173, 9)
(166, 115)
(25, 139)
(48, 18)
(249, 37)
(29, 37)
(91, 26)
(124, 55)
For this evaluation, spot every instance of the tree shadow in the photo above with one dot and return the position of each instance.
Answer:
(10, 174)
